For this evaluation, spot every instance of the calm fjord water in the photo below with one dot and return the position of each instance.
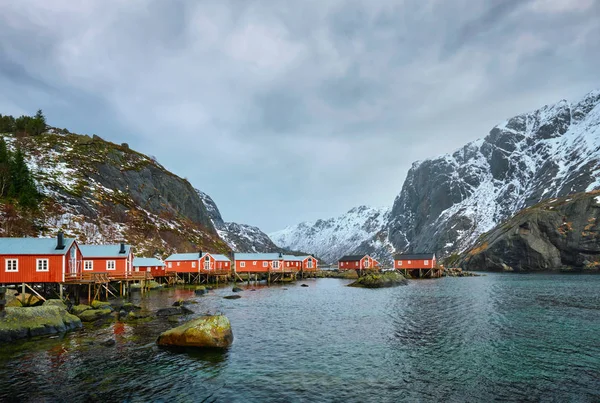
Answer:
(497, 337)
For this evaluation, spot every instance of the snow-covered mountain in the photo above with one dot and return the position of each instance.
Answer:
(447, 202)
(332, 238)
(239, 237)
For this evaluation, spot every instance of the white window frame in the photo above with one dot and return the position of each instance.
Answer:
(91, 265)
(193, 265)
(410, 262)
(108, 265)
(226, 264)
(276, 264)
(42, 261)
(427, 262)
(254, 263)
(399, 262)
(14, 263)
(265, 264)
(178, 263)
(242, 264)
(309, 263)
(170, 264)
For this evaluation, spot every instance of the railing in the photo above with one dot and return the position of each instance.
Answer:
(87, 277)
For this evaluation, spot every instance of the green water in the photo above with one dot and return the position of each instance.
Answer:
(497, 337)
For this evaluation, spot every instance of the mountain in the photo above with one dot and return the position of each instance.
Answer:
(239, 237)
(556, 234)
(447, 202)
(332, 238)
(98, 191)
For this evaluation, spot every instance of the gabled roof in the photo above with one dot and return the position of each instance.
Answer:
(257, 256)
(104, 250)
(147, 261)
(220, 258)
(297, 258)
(414, 256)
(351, 258)
(33, 246)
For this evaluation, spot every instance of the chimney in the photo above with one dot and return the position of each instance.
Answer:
(122, 249)
(280, 255)
(60, 240)
(200, 253)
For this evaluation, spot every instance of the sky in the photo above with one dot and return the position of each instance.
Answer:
(290, 111)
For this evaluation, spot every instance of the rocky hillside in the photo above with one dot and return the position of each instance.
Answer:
(447, 202)
(557, 234)
(98, 192)
(239, 237)
(332, 238)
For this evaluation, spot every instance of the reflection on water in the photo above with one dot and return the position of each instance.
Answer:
(498, 337)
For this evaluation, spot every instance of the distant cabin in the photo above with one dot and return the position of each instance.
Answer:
(39, 260)
(260, 262)
(155, 267)
(116, 259)
(200, 262)
(415, 261)
(301, 263)
(357, 262)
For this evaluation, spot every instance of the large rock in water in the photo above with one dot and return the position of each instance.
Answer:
(557, 234)
(380, 280)
(36, 321)
(205, 332)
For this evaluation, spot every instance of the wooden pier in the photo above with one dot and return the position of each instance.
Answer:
(434, 272)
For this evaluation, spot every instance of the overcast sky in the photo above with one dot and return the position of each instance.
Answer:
(285, 111)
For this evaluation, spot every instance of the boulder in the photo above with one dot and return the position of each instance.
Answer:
(55, 302)
(78, 309)
(380, 280)
(108, 342)
(23, 300)
(92, 315)
(200, 290)
(101, 305)
(237, 289)
(128, 307)
(232, 297)
(135, 315)
(36, 321)
(205, 332)
(178, 310)
(153, 285)
(304, 285)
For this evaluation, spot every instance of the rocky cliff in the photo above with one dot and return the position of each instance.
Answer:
(557, 234)
(98, 192)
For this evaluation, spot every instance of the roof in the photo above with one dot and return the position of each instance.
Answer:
(33, 246)
(297, 258)
(147, 261)
(351, 258)
(414, 256)
(220, 258)
(184, 256)
(104, 250)
(257, 256)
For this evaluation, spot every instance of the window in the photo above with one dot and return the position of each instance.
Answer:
(178, 263)
(148, 269)
(88, 265)
(226, 264)
(12, 265)
(253, 263)
(243, 264)
(41, 265)
(409, 262)
(170, 265)
(309, 264)
(427, 262)
(110, 265)
(275, 264)
(194, 265)
(265, 264)
(399, 262)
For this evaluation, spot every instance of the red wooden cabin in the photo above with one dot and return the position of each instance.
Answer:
(261, 263)
(415, 261)
(155, 267)
(205, 263)
(300, 263)
(116, 260)
(357, 262)
(39, 260)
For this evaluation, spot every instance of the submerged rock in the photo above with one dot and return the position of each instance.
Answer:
(179, 310)
(101, 305)
(380, 280)
(232, 297)
(78, 309)
(92, 315)
(205, 332)
(237, 289)
(304, 285)
(200, 290)
(36, 321)
(152, 285)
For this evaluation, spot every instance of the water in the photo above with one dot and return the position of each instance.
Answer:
(498, 337)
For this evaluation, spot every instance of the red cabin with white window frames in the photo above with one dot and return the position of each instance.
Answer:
(116, 259)
(155, 267)
(205, 263)
(415, 261)
(261, 263)
(357, 262)
(39, 260)
(301, 263)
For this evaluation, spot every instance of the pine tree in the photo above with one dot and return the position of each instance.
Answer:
(22, 186)
(38, 123)
(4, 168)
